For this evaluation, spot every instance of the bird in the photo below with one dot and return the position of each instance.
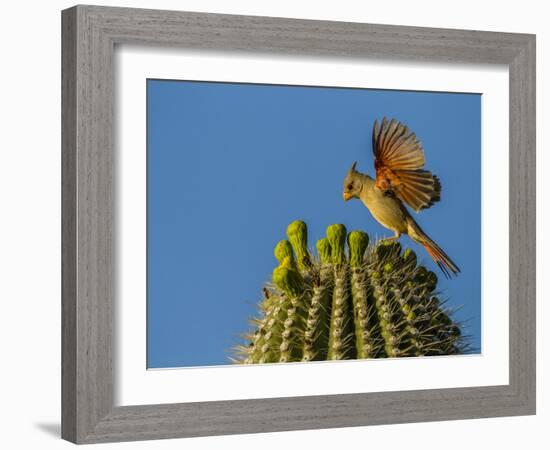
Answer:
(400, 181)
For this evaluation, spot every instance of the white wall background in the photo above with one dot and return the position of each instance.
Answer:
(30, 236)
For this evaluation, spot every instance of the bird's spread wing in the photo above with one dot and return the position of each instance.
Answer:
(399, 159)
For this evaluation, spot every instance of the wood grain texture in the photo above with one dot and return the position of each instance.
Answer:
(89, 36)
(68, 226)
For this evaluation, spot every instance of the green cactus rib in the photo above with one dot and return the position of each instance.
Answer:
(317, 325)
(340, 345)
(373, 301)
(266, 341)
(386, 316)
(292, 335)
(365, 341)
(317, 332)
(291, 282)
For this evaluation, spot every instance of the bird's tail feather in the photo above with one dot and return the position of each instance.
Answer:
(447, 266)
(445, 263)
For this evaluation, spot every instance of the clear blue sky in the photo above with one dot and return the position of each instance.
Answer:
(230, 165)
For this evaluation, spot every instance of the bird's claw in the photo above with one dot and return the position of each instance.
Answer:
(390, 238)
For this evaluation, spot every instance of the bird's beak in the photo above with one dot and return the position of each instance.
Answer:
(347, 196)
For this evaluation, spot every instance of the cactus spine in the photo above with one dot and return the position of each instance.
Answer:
(372, 301)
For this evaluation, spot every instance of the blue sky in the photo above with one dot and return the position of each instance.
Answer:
(230, 165)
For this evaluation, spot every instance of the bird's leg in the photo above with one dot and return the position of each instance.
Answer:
(396, 236)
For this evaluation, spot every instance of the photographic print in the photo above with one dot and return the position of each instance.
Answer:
(311, 223)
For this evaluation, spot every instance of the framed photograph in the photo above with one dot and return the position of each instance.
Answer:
(279, 224)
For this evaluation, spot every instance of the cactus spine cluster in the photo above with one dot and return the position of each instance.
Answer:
(350, 301)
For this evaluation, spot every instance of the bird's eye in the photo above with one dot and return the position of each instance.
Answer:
(349, 187)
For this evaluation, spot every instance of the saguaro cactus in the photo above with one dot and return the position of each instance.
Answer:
(366, 301)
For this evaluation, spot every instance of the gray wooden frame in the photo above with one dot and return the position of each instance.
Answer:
(89, 36)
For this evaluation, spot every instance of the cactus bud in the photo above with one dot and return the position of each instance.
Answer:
(297, 235)
(323, 249)
(455, 330)
(336, 235)
(388, 249)
(282, 250)
(421, 275)
(288, 279)
(358, 242)
(431, 280)
(409, 256)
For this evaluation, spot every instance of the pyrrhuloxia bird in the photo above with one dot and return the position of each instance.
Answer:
(399, 159)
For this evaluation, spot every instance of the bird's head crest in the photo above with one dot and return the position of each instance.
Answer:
(352, 184)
